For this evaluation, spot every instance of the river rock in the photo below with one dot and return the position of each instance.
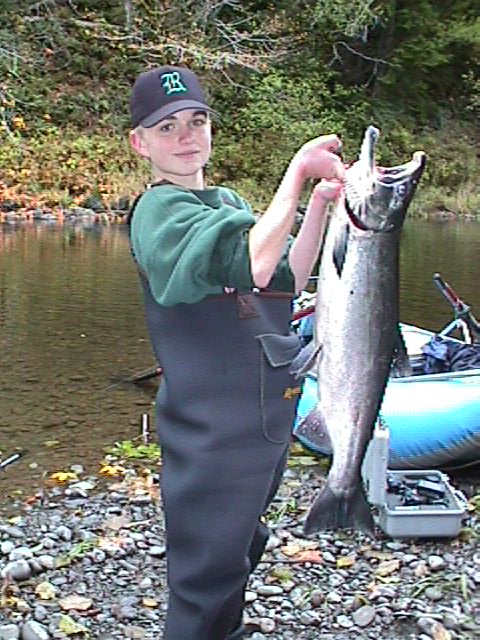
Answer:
(433, 593)
(19, 570)
(268, 590)
(267, 625)
(32, 630)
(47, 561)
(6, 547)
(12, 532)
(9, 632)
(436, 562)
(344, 621)
(364, 616)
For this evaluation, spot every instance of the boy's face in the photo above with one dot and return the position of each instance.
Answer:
(178, 146)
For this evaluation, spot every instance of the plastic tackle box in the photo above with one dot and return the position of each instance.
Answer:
(400, 520)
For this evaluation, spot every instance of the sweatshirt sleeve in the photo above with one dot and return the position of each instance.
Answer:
(191, 246)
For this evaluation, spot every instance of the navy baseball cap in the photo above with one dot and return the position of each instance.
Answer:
(161, 92)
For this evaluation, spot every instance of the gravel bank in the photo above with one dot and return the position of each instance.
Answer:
(86, 560)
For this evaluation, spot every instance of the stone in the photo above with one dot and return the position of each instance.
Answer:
(267, 625)
(364, 616)
(9, 632)
(433, 593)
(269, 590)
(19, 570)
(48, 562)
(344, 621)
(7, 547)
(157, 551)
(436, 562)
(32, 630)
(20, 553)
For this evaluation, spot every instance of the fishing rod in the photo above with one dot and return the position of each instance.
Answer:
(141, 376)
(461, 309)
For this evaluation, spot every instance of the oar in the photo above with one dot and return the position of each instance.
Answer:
(462, 310)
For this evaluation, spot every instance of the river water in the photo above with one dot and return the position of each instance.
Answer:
(71, 324)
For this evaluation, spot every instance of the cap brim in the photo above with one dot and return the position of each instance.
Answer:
(170, 109)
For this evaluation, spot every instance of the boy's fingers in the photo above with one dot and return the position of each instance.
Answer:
(331, 142)
(336, 168)
(328, 189)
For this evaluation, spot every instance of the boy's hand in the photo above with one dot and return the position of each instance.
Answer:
(318, 158)
(327, 190)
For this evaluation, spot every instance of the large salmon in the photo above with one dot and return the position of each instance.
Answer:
(356, 321)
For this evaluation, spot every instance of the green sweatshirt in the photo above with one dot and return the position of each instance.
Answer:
(193, 243)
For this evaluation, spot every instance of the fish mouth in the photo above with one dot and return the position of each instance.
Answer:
(377, 198)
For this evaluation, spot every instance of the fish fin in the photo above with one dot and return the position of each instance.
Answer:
(313, 433)
(340, 249)
(305, 360)
(331, 511)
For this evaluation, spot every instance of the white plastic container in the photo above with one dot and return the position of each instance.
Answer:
(416, 521)
(422, 521)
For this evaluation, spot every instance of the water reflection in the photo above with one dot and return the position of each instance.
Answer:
(452, 249)
(71, 319)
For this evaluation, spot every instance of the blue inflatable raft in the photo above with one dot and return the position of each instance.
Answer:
(434, 419)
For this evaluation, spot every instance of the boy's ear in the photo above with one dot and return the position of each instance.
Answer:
(137, 143)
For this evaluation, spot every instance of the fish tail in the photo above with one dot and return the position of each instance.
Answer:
(347, 511)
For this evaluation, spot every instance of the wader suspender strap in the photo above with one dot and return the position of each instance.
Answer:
(246, 305)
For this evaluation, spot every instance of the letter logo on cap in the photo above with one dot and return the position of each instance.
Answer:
(172, 83)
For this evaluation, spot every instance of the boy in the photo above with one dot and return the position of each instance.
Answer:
(218, 286)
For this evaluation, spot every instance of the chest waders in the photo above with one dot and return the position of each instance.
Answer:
(224, 412)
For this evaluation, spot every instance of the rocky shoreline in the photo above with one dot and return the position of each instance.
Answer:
(83, 215)
(93, 213)
(86, 559)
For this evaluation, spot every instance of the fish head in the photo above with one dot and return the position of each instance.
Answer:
(377, 198)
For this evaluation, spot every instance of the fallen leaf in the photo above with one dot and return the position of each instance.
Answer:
(22, 605)
(112, 470)
(387, 567)
(79, 603)
(110, 543)
(150, 602)
(63, 476)
(69, 627)
(290, 550)
(8, 602)
(345, 561)
(46, 590)
(308, 555)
